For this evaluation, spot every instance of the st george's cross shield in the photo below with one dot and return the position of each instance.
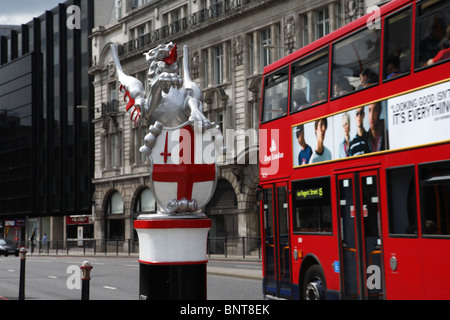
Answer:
(183, 168)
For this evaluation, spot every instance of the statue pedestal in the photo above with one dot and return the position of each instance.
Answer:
(172, 257)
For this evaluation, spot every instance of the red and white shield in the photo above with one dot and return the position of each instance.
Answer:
(182, 178)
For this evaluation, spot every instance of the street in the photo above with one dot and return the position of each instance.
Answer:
(114, 278)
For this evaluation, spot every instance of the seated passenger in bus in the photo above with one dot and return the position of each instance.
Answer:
(368, 78)
(342, 86)
(299, 100)
(443, 54)
(321, 96)
(430, 46)
(393, 67)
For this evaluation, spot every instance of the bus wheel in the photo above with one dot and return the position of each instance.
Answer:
(313, 284)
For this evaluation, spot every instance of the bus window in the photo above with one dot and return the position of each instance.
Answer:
(433, 32)
(397, 45)
(435, 198)
(402, 201)
(276, 89)
(309, 81)
(356, 62)
(312, 205)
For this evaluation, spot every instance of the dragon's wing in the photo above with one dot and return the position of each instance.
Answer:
(132, 88)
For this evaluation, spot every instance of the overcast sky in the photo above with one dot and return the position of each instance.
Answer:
(22, 11)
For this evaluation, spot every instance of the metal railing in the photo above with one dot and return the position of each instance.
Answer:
(245, 247)
(83, 247)
(214, 11)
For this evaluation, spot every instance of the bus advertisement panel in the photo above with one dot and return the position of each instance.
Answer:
(395, 123)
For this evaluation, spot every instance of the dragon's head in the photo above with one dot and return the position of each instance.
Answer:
(164, 56)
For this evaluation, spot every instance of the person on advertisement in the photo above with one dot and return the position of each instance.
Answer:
(344, 146)
(359, 144)
(321, 153)
(305, 150)
(376, 130)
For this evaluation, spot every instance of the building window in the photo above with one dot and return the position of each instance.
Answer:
(118, 9)
(137, 140)
(214, 107)
(305, 37)
(112, 89)
(115, 227)
(111, 145)
(218, 65)
(115, 204)
(266, 51)
(146, 202)
(251, 54)
(216, 61)
(322, 23)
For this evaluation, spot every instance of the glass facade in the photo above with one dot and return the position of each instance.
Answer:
(46, 139)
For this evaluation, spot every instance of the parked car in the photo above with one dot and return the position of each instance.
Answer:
(8, 247)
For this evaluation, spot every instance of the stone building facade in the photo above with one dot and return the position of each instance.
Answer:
(230, 42)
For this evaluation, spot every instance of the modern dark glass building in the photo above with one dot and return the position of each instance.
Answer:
(46, 133)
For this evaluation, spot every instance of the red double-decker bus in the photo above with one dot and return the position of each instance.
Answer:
(355, 160)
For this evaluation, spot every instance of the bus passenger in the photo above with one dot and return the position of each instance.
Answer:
(443, 54)
(359, 144)
(298, 100)
(393, 67)
(342, 86)
(368, 78)
(321, 96)
(305, 150)
(321, 153)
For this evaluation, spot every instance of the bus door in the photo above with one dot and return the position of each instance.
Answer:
(360, 241)
(277, 267)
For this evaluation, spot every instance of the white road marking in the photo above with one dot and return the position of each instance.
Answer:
(110, 288)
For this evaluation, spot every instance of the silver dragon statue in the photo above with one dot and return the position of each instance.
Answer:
(170, 103)
(167, 99)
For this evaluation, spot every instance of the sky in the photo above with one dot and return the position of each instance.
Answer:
(22, 11)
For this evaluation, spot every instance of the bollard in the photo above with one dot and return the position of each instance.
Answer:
(23, 254)
(86, 268)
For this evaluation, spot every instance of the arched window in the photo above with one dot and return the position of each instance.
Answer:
(146, 202)
(115, 204)
(115, 226)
